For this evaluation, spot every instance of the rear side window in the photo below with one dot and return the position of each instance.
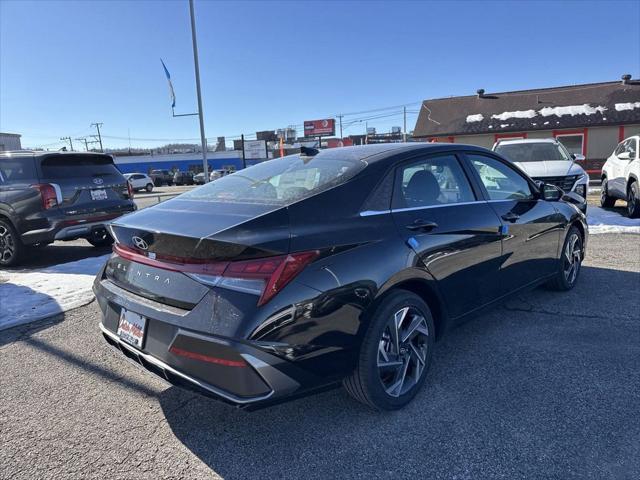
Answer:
(13, 170)
(432, 181)
(75, 166)
(281, 181)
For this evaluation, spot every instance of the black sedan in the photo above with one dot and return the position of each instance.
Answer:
(346, 266)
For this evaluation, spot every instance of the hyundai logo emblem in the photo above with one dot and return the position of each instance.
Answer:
(98, 181)
(139, 243)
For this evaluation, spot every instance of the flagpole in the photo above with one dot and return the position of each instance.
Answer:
(203, 139)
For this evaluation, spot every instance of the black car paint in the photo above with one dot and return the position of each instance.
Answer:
(21, 204)
(312, 329)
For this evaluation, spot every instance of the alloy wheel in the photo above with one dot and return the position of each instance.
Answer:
(572, 258)
(402, 351)
(7, 245)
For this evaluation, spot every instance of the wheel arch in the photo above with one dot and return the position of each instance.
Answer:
(632, 179)
(426, 289)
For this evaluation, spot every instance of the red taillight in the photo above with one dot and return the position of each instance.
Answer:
(207, 358)
(275, 271)
(47, 194)
(272, 273)
(130, 189)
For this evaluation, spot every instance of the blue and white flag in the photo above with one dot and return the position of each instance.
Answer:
(171, 92)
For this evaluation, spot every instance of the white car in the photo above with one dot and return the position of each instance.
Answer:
(548, 160)
(140, 181)
(621, 176)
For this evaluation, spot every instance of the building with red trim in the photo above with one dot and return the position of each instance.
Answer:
(590, 119)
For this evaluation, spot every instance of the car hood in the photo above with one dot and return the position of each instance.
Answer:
(550, 168)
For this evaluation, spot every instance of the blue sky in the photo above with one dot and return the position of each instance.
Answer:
(265, 65)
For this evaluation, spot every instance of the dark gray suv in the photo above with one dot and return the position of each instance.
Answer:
(48, 196)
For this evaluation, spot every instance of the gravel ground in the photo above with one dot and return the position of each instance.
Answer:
(545, 386)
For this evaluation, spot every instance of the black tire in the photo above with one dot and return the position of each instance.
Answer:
(367, 382)
(605, 200)
(100, 238)
(565, 279)
(149, 187)
(633, 200)
(11, 247)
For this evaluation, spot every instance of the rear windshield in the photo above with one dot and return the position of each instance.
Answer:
(281, 181)
(532, 152)
(65, 166)
(17, 170)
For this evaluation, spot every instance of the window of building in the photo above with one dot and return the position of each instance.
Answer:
(575, 141)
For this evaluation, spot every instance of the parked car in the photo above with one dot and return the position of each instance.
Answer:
(140, 181)
(160, 177)
(549, 161)
(301, 272)
(621, 176)
(183, 178)
(218, 173)
(47, 196)
(198, 178)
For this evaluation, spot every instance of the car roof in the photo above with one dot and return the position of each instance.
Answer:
(42, 154)
(379, 152)
(527, 140)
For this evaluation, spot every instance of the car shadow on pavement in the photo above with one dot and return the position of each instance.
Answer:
(58, 253)
(525, 390)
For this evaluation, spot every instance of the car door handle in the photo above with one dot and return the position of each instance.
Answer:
(510, 217)
(422, 225)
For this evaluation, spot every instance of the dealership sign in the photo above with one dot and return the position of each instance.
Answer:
(315, 128)
(255, 149)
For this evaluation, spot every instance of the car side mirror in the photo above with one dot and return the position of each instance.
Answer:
(551, 193)
(578, 157)
(624, 156)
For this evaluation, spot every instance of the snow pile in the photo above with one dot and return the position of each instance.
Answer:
(607, 221)
(572, 110)
(626, 106)
(475, 118)
(517, 114)
(29, 295)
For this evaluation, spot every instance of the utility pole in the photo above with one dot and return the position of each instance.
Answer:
(404, 135)
(67, 139)
(196, 65)
(98, 125)
(340, 117)
(86, 144)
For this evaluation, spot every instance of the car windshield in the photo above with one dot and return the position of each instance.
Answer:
(281, 181)
(532, 152)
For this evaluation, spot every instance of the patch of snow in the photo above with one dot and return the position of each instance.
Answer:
(517, 114)
(475, 118)
(504, 125)
(30, 295)
(620, 107)
(572, 110)
(546, 123)
(607, 221)
(490, 126)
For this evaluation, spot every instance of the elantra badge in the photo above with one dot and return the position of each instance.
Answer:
(139, 243)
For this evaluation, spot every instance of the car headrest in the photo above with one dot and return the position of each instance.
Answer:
(422, 189)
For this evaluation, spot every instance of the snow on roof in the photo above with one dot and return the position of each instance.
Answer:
(620, 107)
(517, 114)
(475, 118)
(572, 110)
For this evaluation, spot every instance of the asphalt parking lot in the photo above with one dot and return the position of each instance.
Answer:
(545, 386)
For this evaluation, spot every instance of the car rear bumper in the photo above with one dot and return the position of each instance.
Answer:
(235, 371)
(65, 227)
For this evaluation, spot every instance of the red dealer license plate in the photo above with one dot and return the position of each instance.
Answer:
(131, 327)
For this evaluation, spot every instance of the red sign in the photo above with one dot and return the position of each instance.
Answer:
(336, 142)
(315, 128)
